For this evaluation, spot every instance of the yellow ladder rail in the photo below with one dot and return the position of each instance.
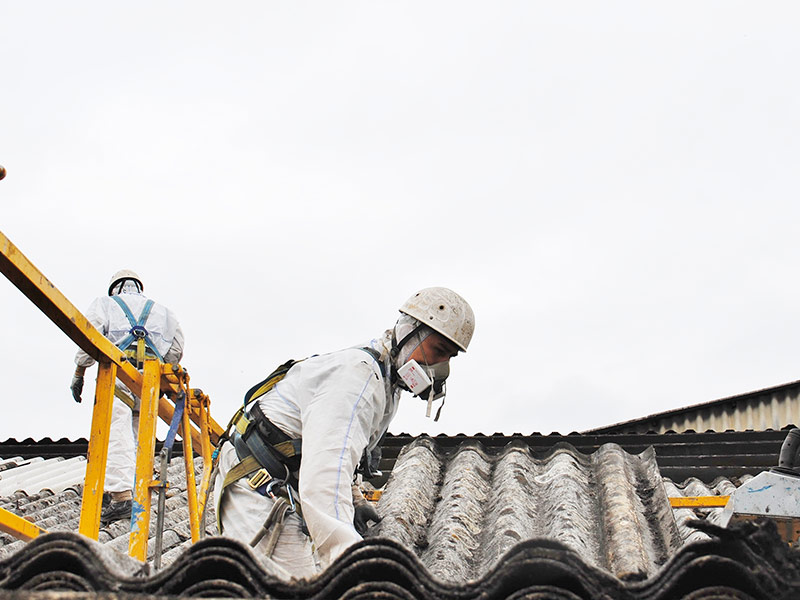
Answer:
(699, 501)
(18, 527)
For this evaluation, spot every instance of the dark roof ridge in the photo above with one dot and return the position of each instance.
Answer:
(748, 559)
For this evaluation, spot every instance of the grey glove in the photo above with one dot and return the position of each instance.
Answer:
(364, 514)
(77, 387)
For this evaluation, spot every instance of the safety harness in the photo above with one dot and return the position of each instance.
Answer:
(144, 345)
(138, 333)
(268, 457)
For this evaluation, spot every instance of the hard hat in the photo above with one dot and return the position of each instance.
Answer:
(122, 275)
(445, 312)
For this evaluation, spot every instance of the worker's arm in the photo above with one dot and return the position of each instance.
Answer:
(96, 317)
(347, 405)
(175, 352)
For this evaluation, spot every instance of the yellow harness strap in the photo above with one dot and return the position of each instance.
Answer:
(242, 469)
(124, 397)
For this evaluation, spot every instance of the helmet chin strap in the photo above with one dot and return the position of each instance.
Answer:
(126, 286)
(395, 352)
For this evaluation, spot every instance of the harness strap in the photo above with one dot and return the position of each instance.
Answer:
(124, 397)
(177, 416)
(242, 469)
(267, 384)
(135, 324)
(377, 356)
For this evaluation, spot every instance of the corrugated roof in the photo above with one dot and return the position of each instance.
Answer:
(722, 486)
(746, 562)
(771, 408)
(59, 509)
(37, 474)
(484, 517)
(679, 456)
(462, 512)
(706, 455)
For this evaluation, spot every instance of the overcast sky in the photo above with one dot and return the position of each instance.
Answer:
(613, 186)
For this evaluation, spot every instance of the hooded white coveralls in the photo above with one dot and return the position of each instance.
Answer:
(166, 334)
(339, 404)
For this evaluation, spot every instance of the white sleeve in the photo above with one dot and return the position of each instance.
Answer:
(175, 352)
(337, 425)
(97, 316)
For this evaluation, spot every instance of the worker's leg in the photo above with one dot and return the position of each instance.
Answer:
(243, 512)
(121, 464)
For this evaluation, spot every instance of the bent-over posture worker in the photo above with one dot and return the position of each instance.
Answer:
(312, 427)
(142, 329)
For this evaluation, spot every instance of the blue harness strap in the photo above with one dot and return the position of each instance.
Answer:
(176, 421)
(137, 327)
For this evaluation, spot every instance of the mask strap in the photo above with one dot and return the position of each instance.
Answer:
(430, 403)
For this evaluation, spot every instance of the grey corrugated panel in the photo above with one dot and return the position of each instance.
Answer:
(460, 512)
(770, 408)
(61, 512)
(722, 486)
(492, 496)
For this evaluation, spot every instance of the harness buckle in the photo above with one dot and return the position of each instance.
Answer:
(259, 478)
(138, 331)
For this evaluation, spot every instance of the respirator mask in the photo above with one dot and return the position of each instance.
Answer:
(424, 381)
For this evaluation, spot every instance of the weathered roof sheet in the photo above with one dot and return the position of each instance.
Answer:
(694, 487)
(462, 512)
(462, 519)
(55, 510)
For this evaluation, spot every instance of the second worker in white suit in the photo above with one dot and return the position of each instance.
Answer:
(313, 427)
(136, 325)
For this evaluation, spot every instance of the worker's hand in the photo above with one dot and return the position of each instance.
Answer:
(364, 514)
(77, 387)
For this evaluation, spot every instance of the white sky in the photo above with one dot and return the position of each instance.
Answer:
(612, 185)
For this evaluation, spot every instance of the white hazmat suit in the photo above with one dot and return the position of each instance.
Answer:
(166, 335)
(339, 404)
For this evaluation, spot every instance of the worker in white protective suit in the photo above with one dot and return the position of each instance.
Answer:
(142, 329)
(321, 417)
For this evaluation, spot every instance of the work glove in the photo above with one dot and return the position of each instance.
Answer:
(364, 514)
(364, 511)
(77, 384)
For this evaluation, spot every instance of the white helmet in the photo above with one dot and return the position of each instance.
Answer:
(123, 275)
(445, 312)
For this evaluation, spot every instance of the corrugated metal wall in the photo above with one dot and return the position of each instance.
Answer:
(773, 408)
